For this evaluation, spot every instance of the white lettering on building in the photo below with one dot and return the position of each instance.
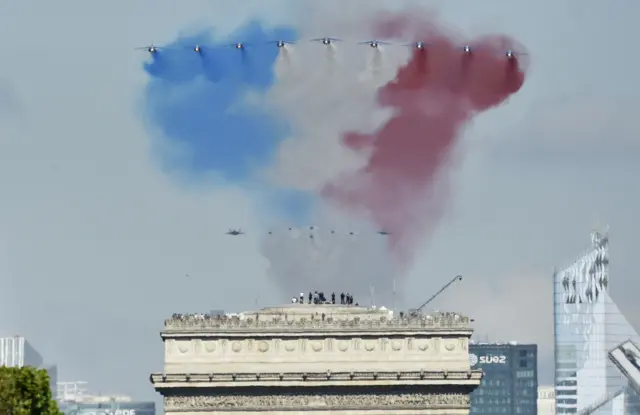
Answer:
(489, 359)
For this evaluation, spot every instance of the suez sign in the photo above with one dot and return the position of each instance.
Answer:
(487, 359)
(112, 412)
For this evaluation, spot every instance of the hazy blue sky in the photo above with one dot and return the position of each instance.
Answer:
(95, 239)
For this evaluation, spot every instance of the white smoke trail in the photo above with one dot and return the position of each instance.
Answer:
(324, 91)
(330, 255)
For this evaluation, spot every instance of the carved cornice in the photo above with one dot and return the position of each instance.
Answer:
(205, 322)
(159, 378)
(307, 402)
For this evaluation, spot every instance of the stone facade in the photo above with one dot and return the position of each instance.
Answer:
(308, 358)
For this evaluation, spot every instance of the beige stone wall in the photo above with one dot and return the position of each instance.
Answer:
(342, 354)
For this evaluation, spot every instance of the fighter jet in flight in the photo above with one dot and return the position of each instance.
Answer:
(418, 45)
(383, 233)
(374, 43)
(238, 45)
(152, 49)
(197, 49)
(512, 54)
(466, 49)
(326, 40)
(235, 232)
(282, 43)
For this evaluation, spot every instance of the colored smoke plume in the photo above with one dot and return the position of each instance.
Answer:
(433, 96)
(203, 104)
(203, 113)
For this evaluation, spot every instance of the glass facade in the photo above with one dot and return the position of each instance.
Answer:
(587, 325)
(510, 381)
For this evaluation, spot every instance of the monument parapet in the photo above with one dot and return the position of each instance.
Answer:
(314, 318)
(313, 352)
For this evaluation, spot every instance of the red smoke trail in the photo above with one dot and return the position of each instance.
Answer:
(433, 96)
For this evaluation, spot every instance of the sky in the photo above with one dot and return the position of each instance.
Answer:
(107, 227)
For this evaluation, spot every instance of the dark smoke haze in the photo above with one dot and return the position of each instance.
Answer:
(434, 96)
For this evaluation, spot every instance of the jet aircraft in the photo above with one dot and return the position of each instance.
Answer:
(383, 232)
(238, 45)
(326, 40)
(152, 49)
(235, 232)
(374, 43)
(512, 54)
(197, 49)
(282, 43)
(418, 45)
(466, 48)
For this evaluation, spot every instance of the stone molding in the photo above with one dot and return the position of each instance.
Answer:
(267, 345)
(159, 378)
(389, 401)
(313, 323)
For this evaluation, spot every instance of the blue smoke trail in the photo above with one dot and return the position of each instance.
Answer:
(198, 101)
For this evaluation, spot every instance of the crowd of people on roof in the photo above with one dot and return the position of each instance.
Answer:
(318, 297)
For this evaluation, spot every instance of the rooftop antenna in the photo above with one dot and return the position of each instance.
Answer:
(419, 309)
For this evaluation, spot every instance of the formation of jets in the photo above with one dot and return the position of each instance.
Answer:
(236, 232)
(420, 45)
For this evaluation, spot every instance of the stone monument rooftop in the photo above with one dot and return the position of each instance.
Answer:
(317, 316)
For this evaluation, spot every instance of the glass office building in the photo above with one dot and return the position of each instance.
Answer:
(510, 382)
(587, 325)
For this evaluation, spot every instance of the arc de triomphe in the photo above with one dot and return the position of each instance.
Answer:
(305, 358)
